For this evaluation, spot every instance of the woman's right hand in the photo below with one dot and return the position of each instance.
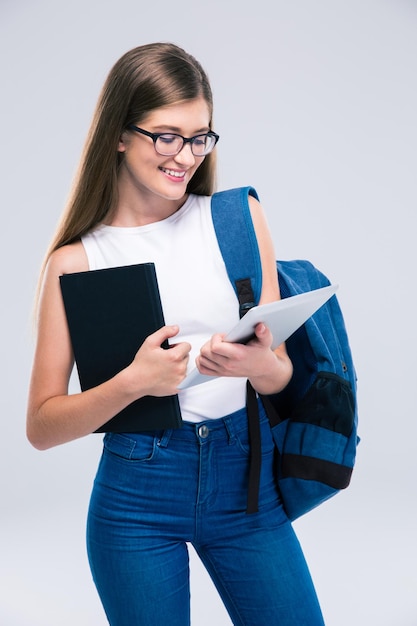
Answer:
(157, 371)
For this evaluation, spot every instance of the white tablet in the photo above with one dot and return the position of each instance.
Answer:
(282, 318)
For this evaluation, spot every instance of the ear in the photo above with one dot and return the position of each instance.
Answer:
(122, 143)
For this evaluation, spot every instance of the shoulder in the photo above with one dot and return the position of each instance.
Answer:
(68, 259)
(259, 219)
(270, 289)
(65, 260)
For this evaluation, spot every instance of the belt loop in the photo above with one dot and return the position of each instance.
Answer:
(228, 422)
(164, 440)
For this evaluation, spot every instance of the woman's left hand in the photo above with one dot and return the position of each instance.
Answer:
(268, 370)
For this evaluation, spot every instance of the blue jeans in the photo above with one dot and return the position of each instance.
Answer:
(156, 491)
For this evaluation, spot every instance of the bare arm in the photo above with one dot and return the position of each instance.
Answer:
(53, 416)
(269, 371)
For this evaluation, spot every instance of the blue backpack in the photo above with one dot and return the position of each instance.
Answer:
(314, 419)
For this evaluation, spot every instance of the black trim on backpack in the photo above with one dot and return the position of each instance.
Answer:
(310, 468)
(247, 301)
(254, 431)
(244, 295)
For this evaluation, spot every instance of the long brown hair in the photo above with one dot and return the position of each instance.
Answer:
(143, 79)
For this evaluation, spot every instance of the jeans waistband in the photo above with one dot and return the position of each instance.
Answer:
(212, 429)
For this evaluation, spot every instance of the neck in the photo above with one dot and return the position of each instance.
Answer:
(140, 209)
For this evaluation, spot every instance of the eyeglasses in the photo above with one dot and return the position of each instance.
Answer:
(170, 144)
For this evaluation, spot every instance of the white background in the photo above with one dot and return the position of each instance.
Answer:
(316, 106)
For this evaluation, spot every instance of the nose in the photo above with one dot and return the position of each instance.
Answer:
(185, 156)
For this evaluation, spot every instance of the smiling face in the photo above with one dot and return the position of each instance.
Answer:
(145, 175)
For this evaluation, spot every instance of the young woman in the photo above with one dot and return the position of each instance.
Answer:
(143, 194)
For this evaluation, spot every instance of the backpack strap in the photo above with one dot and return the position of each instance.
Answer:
(238, 244)
(239, 247)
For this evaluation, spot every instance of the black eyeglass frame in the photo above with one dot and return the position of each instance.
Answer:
(190, 140)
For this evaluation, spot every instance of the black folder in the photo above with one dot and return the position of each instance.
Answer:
(110, 312)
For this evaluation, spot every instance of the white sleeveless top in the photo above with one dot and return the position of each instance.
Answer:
(196, 292)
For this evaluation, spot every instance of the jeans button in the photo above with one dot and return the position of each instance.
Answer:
(203, 431)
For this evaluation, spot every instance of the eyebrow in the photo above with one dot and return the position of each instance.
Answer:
(175, 129)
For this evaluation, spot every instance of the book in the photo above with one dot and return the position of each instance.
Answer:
(110, 312)
(282, 317)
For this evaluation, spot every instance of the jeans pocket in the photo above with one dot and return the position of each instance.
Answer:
(267, 442)
(137, 447)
